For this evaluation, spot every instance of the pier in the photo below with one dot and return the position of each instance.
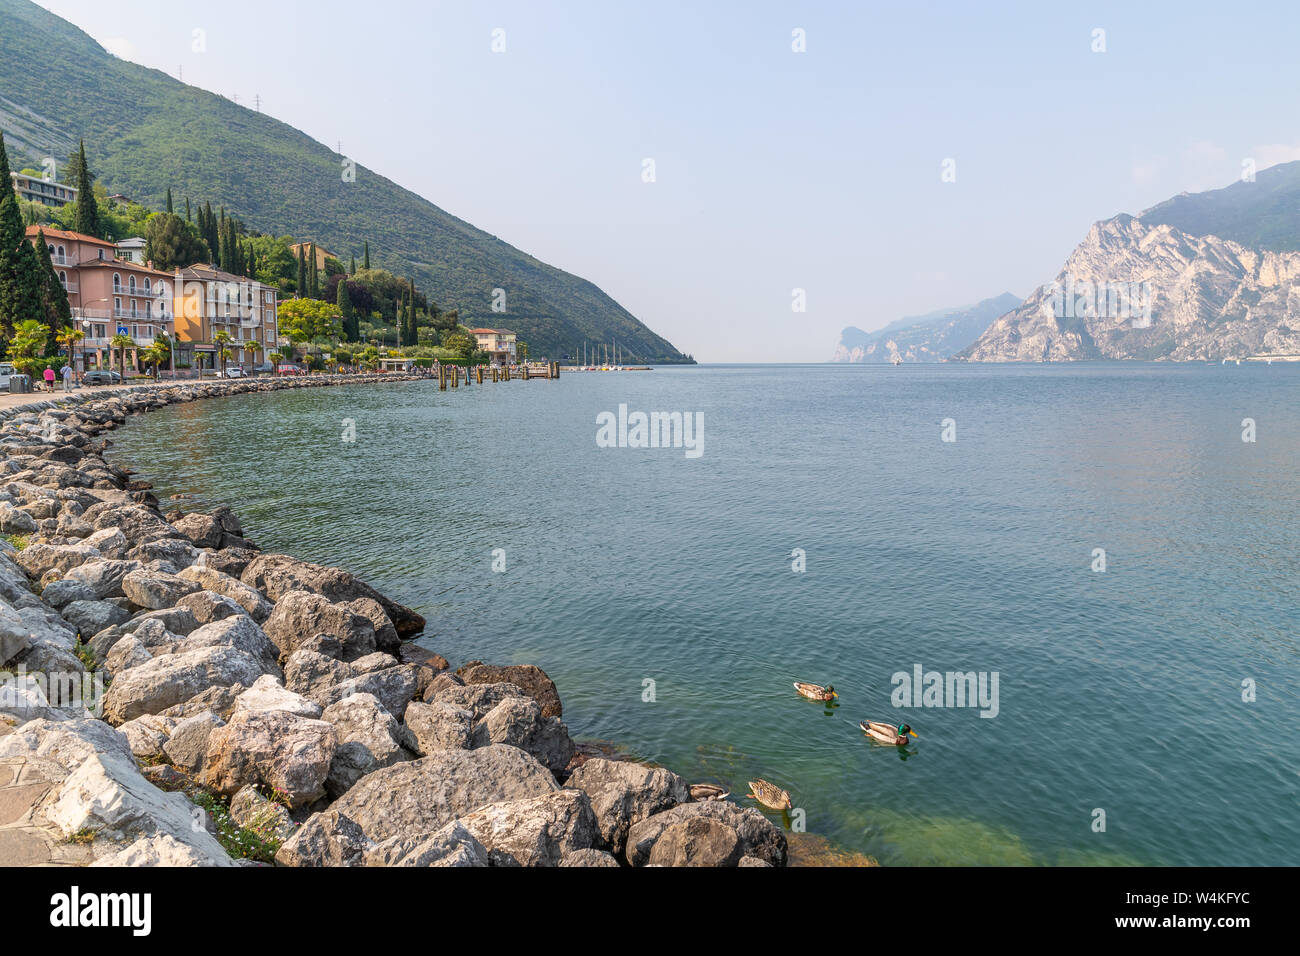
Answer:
(453, 376)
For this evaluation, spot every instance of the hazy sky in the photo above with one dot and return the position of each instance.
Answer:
(774, 170)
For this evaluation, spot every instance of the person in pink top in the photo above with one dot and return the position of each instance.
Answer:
(49, 379)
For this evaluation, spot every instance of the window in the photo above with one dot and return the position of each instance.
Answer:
(148, 287)
(63, 277)
(148, 310)
(101, 254)
(117, 306)
(131, 283)
(117, 280)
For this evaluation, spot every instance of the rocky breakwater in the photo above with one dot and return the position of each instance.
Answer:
(173, 695)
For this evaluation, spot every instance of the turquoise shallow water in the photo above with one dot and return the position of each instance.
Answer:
(1118, 690)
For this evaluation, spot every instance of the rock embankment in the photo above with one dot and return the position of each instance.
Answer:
(241, 699)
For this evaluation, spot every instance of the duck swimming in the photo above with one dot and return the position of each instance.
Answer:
(769, 795)
(815, 691)
(895, 734)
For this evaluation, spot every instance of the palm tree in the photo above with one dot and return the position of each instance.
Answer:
(156, 354)
(121, 342)
(250, 350)
(68, 339)
(222, 339)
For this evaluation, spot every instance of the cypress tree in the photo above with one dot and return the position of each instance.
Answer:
(72, 169)
(353, 270)
(344, 302)
(315, 276)
(169, 200)
(301, 287)
(54, 298)
(187, 210)
(87, 220)
(400, 319)
(411, 337)
(366, 261)
(20, 273)
(209, 231)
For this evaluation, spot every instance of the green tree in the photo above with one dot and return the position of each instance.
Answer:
(303, 320)
(221, 338)
(169, 200)
(121, 341)
(300, 288)
(157, 353)
(30, 338)
(20, 271)
(75, 167)
(172, 243)
(314, 280)
(365, 262)
(54, 298)
(67, 339)
(347, 316)
(87, 206)
(462, 343)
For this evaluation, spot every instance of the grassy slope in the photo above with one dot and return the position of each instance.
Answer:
(146, 131)
(1264, 214)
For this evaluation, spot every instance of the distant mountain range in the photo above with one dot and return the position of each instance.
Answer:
(1201, 276)
(146, 132)
(923, 338)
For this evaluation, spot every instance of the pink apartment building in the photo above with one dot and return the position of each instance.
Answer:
(108, 295)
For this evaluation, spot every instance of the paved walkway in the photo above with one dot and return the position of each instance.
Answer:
(27, 838)
(11, 399)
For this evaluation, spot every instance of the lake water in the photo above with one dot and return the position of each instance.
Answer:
(1119, 691)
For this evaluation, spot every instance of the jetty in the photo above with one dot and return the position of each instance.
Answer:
(454, 376)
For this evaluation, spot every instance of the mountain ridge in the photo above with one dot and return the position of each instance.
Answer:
(1151, 292)
(206, 147)
(931, 337)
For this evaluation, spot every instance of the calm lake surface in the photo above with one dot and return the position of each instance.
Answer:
(1120, 690)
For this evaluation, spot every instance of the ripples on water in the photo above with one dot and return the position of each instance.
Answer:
(1119, 691)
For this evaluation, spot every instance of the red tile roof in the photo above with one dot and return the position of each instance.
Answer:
(33, 231)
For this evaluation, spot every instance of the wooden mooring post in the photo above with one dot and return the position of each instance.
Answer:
(442, 378)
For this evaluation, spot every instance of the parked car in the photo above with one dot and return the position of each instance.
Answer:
(290, 370)
(6, 370)
(233, 371)
(266, 368)
(101, 376)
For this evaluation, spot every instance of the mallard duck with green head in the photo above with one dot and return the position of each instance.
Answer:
(815, 691)
(894, 734)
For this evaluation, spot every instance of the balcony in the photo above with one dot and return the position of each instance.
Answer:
(140, 292)
(71, 287)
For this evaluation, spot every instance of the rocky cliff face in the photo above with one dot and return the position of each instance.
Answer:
(923, 338)
(1133, 290)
